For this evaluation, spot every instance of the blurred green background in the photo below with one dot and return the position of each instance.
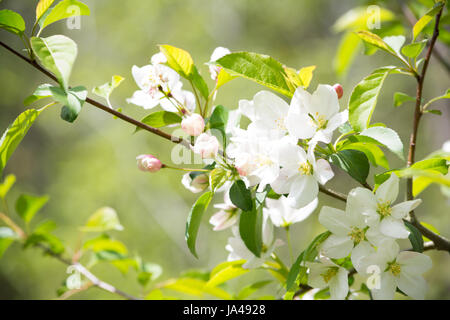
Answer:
(91, 163)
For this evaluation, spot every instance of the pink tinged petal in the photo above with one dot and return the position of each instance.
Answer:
(414, 286)
(339, 285)
(388, 190)
(387, 287)
(335, 220)
(300, 125)
(323, 171)
(401, 210)
(324, 101)
(360, 252)
(394, 228)
(304, 189)
(337, 120)
(337, 247)
(414, 263)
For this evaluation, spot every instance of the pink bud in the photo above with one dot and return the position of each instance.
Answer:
(147, 162)
(193, 125)
(206, 145)
(339, 90)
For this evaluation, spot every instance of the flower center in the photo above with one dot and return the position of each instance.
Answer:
(280, 124)
(357, 235)
(329, 274)
(394, 268)
(263, 161)
(318, 120)
(305, 168)
(384, 209)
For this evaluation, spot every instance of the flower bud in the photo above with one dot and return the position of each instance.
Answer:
(147, 162)
(193, 125)
(206, 146)
(195, 183)
(339, 90)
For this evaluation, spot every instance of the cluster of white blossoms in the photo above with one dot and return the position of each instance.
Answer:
(277, 149)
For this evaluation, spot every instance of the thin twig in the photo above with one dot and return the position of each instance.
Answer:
(332, 193)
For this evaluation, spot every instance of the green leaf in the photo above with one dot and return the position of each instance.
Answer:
(72, 101)
(415, 237)
(400, 98)
(196, 287)
(53, 243)
(195, 218)
(105, 243)
(200, 83)
(160, 119)
(308, 254)
(42, 8)
(12, 21)
(260, 68)
(104, 219)
(223, 77)
(179, 60)
(7, 237)
(63, 10)
(395, 43)
(14, 135)
(57, 54)
(217, 177)
(250, 229)
(225, 274)
(387, 137)
(240, 196)
(422, 22)
(306, 75)
(364, 98)
(252, 288)
(218, 121)
(106, 89)
(6, 185)
(41, 92)
(28, 205)
(412, 50)
(354, 162)
(375, 40)
(373, 153)
(346, 52)
(149, 272)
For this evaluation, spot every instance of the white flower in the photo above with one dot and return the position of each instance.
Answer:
(193, 124)
(195, 182)
(227, 215)
(403, 270)
(158, 58)
(300, 173)
(283, 215)
(154, 81)
(207, 146)
(267, 112)
(315, 115)
(218, 53)
(349, 234)
(328, 274)
(255, 156)
(239, 251)
(378, 210)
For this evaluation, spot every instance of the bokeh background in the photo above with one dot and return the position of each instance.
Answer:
(91, 163)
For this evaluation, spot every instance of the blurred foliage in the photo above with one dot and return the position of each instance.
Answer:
(91, 163)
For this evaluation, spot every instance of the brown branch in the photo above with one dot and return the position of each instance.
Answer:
(101, 105)
(440, 242)
(332, 193)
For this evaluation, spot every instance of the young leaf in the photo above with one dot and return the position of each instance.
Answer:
(372, 151)
(347, 50)
(104, 219)
(395, 43)
(375, 40)
(415, 237)
(72, 101)
(250, 229)
(106, 89)
(217, 178)
(42, 7)
(63, 10)
(57, 54)
(160, 119)
(218, 121)
(179, 60)
(250, 289)
(259, 68)
(364, 98)
(412, 50)
(14, 135)
(400, 98)
(41, 92)
(306, 75)
(354, 162)
(240, 196)
(387, 137)
(422, 22)
(231, 271)
(200, 83)
(28, 205)
(194, 219)
(12, 21)
(6, 185)
(223, 77)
